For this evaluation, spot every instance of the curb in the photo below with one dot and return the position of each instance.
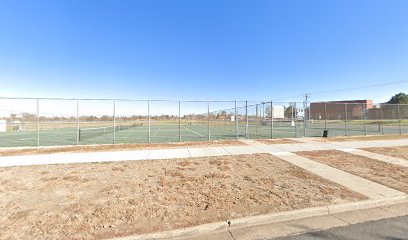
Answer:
(316, 211)
(269, 218)
(182, 232)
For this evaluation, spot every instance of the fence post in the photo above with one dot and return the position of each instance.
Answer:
(294, 113)
(345, 118)
(114, 121)
(304, 118)
(325, 115)
(271, 119)
(256, 120)
(308, 113)
(399, 119)
(236, 120)
(382, 121)
(77, 123)
(364, 119)
(208, 121)
(38, 122)
(179, 121)
(148, 122)
(246, 118)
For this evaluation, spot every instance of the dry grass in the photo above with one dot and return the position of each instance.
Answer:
(101, 200)
(277, 141)
(388, 174)
(115, 147)
(364, 138)
(398, 152)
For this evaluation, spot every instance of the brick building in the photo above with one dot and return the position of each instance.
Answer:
(339, 110)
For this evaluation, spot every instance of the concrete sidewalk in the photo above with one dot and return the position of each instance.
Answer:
(376, 156)
(253, 147)
(60, 158)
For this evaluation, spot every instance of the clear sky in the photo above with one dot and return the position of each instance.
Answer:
(203, 50)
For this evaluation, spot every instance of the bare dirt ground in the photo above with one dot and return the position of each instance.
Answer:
(115, 147)
(101, 200)
(398, 152)
(363, 138)
(388, 174)
(277, 141)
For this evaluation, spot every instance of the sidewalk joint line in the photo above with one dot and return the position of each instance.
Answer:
(227, 150)
(383, 208)
(331, 214)
(188, 150)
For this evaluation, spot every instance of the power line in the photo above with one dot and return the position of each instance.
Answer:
(362, 87)
(348, 89)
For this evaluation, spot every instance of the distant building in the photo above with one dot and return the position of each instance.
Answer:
(375, 113)
(338, 110)
(3, 125)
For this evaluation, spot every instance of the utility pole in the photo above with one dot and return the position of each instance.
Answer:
(308, 109)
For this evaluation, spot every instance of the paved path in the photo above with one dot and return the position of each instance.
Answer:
(253, 147)
(376, 156)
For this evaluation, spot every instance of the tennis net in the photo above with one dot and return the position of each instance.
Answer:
(86, 133)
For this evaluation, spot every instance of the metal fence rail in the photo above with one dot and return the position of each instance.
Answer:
(59, 121)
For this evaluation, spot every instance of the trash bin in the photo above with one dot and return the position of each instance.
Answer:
(325, 133)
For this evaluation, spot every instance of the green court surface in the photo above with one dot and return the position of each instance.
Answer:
(171, 131)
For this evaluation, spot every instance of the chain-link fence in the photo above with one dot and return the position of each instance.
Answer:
(48, 122)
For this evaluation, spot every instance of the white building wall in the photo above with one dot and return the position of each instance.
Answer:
(3, 125)
(278, 111)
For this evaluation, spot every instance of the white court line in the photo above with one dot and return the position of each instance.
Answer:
(199, 134)
(154, 135)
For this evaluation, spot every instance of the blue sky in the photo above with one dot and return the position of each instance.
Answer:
(203, 50)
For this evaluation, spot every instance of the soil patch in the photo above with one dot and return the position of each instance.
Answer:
(388, 174)
(398, 152)
(112, 199)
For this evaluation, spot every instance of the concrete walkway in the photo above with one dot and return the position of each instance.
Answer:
(376, 156)
(368, 144)
(60, 158)
(253, 147)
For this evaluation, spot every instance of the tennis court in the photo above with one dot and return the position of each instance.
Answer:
(54, 122)
(171, 131)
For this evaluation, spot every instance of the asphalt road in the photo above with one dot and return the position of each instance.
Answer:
(387, 229)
